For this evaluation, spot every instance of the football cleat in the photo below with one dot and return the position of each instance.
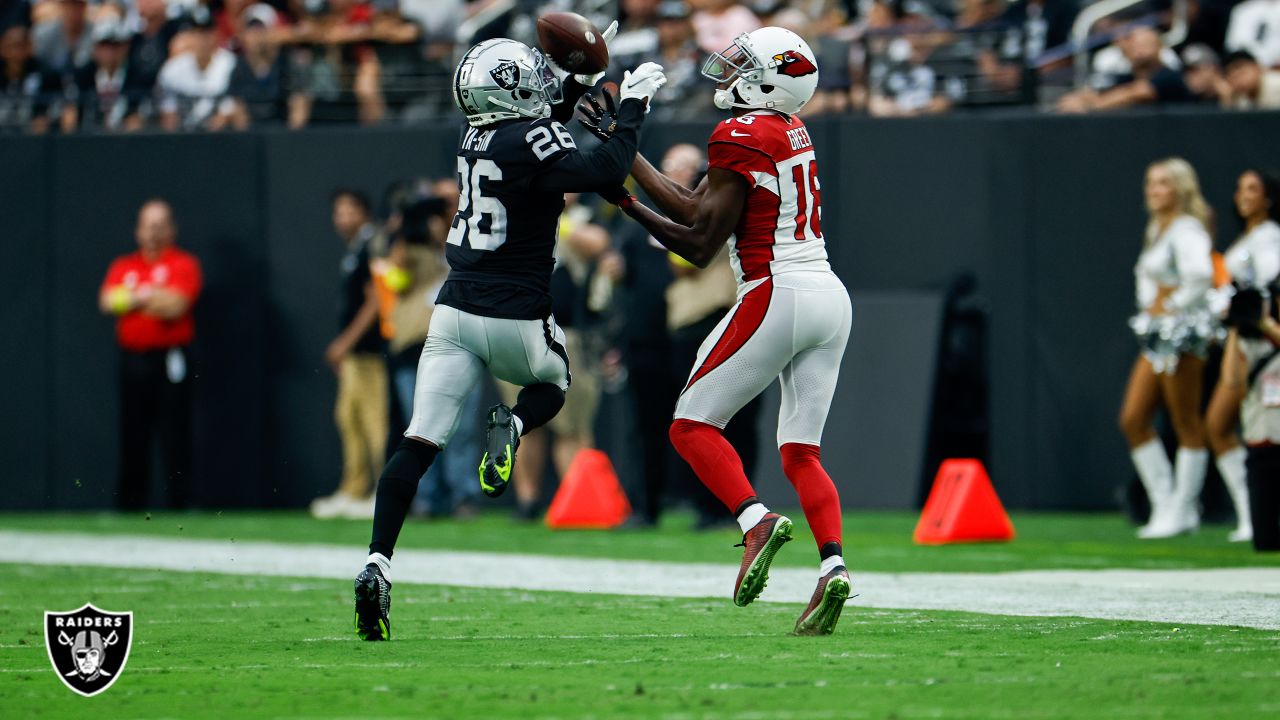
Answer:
(373, 604)
(823, 613)
(759, 544)
(500, 452)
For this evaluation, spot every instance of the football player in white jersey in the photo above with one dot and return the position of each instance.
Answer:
(762, 196)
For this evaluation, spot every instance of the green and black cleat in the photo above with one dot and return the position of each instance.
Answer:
(500, 451)
(759, 544)
(823, 612)
(373, 604)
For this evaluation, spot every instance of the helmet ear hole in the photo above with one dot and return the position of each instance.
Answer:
(523, 94)
(766, 89)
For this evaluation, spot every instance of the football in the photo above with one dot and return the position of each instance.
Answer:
(573, 42)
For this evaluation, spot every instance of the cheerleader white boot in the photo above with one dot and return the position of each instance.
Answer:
(1231, 468)
(1183, 514)
(1156, 474)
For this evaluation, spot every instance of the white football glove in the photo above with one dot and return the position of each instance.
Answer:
(642, 82)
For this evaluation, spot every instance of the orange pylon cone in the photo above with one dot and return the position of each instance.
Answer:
(962, 507)
(589, 495)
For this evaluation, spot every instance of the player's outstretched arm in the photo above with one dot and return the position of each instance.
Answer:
(677, 201)
(717, 214)
(607, 165)
(601, 167)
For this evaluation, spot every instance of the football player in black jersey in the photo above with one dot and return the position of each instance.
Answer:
(515, 162)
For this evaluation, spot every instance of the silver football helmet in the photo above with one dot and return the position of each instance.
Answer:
(503, 79)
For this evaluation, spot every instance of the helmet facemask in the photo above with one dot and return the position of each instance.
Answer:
(728, 68)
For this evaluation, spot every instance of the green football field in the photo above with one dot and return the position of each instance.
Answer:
(233, 646)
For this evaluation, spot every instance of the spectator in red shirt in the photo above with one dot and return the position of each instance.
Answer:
(151, 293)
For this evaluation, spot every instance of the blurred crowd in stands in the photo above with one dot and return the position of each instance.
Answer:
(125, 65)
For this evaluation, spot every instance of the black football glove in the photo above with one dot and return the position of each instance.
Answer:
(599, 120)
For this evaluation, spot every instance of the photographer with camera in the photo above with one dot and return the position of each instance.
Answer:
(1251, 366)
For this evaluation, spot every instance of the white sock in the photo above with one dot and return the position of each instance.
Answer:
(829, 564)
(383, 563)
(1189, 466)
(751, 516)
(1154, 468)
(519, 425)
(1231, 468)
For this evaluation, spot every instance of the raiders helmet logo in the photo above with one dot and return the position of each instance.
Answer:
(88, 647)
(507, 75)
(793, 64)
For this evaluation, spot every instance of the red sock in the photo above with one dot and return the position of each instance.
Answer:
(817, 493)
(713, 460)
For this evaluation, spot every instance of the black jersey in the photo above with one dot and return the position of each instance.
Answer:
(513, 176)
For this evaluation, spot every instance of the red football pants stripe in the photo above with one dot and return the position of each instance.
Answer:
(748, 315)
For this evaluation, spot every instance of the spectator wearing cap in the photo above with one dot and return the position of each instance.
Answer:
(193, 85)
(1255, 28)
(103, 94)
(65, 42)
(717, 22)
(262, 85)
(1248, 85)
(25, 89)
(1149, 82)
(1202, 73)
(151, 293)
(906, 86)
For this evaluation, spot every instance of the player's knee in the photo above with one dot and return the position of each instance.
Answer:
(799, 455)
(682, 432)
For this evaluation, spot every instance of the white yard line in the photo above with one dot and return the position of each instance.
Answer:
(1247, 597)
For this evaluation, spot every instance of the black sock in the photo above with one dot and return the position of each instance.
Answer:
(396, 488)
(745, 504)
(536, 405)
(830, 549)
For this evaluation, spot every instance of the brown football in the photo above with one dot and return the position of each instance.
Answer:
(573, 42)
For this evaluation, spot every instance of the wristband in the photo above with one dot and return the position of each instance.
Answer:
(626, 202)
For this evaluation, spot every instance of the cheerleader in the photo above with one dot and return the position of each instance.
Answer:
(1254, 262)
(1174, 327)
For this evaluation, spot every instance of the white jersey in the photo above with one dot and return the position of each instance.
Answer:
(1254, 259)
(1179, 258)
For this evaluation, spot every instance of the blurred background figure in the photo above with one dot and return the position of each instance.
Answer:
(1253, 261)
(356, 356)
(1150, 78)
(65, 41)
(104, 93)
(263, 85)
(1249, 86)
(1174, 328)
(193, 85)
(25, 88)
(152, 293)
(1253, 371)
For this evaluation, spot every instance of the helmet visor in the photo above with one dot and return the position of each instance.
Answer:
(731, 63)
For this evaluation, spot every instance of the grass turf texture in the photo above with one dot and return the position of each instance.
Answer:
(874, 541)
(242, 646)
